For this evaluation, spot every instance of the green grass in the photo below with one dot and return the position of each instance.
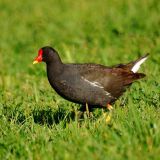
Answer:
(36, 123)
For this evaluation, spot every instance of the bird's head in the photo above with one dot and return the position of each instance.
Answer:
(46, 54)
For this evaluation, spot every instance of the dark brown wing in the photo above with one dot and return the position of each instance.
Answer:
(120, 79)
(114, 80)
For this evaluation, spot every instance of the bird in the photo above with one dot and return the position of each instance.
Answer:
(90, 84)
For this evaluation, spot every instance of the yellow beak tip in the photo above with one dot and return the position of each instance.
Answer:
(35, 62)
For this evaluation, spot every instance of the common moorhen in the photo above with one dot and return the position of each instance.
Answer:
(92, 84)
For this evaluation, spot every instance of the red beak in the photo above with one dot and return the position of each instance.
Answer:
(38, 59)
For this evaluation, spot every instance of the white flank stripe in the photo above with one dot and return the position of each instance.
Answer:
(95, 84)
(107, 93)
(136, 67)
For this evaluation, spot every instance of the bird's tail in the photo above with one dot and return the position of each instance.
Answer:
(134, 66)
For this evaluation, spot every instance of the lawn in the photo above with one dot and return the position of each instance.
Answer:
(35, 122)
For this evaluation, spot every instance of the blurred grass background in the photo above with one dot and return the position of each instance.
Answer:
(36, 123)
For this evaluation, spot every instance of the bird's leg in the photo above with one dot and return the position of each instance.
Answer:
(87, 109)
(84, 110)
(109, 107)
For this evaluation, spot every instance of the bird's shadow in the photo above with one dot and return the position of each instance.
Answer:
(44, 116)
(51, 117)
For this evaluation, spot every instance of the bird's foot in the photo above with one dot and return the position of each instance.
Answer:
(108, 118)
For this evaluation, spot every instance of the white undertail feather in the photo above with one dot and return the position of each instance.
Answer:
(137, 65)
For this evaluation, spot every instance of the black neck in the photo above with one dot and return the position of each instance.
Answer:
(54, 66)
(54, 70)
(52, 58)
